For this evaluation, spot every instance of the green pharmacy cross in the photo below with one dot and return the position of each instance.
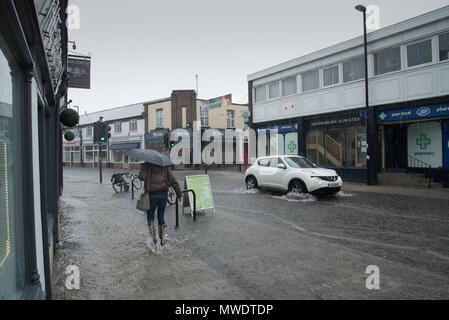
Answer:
(382, 116)
(291, 146)
(423, 141)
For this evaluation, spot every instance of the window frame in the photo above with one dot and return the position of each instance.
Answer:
(338, 75)
(438, 47)
(374, 54)
(264, 86)
(351, 60)
(317, 70)
(296, 86)
(159, 118)
(407, 45)
(232, 119)
(133, 125)
(119, 126)
(278, 83)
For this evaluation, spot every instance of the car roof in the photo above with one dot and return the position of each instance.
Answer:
(279, 156)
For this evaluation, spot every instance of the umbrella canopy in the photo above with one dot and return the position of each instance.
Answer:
(150, 156)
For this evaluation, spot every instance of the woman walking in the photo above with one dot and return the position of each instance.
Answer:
(157, 180)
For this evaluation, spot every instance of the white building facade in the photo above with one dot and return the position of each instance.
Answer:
(127, 132)
(317, 102)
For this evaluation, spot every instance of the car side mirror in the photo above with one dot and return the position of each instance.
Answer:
(282, 166)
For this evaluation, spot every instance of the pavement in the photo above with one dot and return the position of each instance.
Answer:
(256, 245)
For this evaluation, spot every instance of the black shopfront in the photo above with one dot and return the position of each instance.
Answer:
(33, 83)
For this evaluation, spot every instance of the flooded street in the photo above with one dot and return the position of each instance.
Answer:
(257, 245)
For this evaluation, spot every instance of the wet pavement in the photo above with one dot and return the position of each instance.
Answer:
(257, 244)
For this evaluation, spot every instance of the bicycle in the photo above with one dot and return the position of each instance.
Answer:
(122, 181)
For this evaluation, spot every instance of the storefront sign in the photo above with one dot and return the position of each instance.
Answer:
(224, 101)
(425, 112)
(79, 72)
(124, 146)
(337, 121)
(282, 128)
(425, 144)
(200, 184)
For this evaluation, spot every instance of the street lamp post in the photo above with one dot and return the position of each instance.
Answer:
(368, 114)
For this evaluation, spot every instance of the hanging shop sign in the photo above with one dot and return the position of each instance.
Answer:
(426, 112)
(220, 102)
(424, 142)
(79, 72)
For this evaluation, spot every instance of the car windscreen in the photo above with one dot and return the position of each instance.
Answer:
(297, 162)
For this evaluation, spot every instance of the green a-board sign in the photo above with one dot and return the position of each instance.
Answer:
(201, 185)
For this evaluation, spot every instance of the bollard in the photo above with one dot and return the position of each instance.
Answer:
(194, 206)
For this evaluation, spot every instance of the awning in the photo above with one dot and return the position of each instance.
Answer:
(125, 146)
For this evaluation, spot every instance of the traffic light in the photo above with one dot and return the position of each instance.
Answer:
(104, 132)
(101, 132)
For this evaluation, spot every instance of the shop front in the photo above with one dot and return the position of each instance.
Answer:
(119, 157)
(338, 141)
(414, 137)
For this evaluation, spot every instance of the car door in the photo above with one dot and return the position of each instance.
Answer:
(265, 172)
(277, 175)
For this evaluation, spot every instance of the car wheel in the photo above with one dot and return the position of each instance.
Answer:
(297, 187)
(251, 183)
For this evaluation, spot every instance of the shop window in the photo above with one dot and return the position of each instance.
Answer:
(443, 41)
(419, 53)
(273, 90)
(310, 80)
(387, 61)
(117, 156)
(337, 147)
(260, 94)
(289, 86)
(12, 259)
(353, 70)
(330, 76)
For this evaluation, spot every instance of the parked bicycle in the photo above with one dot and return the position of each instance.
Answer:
(122, 181)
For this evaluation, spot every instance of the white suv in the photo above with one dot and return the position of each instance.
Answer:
(292, 174)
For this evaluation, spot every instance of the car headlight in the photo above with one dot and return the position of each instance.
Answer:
(316, 179)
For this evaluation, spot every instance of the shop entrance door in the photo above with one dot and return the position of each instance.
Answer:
(395, 136)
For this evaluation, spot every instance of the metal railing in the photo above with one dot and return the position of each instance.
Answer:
(194, 206)
(413, 162)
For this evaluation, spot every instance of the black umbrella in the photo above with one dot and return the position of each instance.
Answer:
(150, 156)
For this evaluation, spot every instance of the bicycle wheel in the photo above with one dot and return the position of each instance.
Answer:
(171, 196)
(137, 183)
(117, 186)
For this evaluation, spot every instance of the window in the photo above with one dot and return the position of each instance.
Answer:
(330, 76)
(133, 125)
(419, 53)
(353, 70)
(273, 90)
(204, 115)
(12, 233)
(159, 118)
(264, 162)
(118, 127)
(89, 131)
(310, 80)
(289, 86)
(444, 46)
(387, 61)
(117, 156)
(230, 119)
(260, 94)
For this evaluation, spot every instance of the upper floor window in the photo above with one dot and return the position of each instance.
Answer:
(444, 46)
(273, 90)
(159, 118)
(387, 61)
(230, 119)
(353, 69)
(310, 80)
(289, 86)
(89, 131)
(419, 53)
(204, 115)
(133, 125)
(260, 94)
(330, 76)
(118, 127)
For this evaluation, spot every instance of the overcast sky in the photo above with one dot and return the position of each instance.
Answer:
(143, 49)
